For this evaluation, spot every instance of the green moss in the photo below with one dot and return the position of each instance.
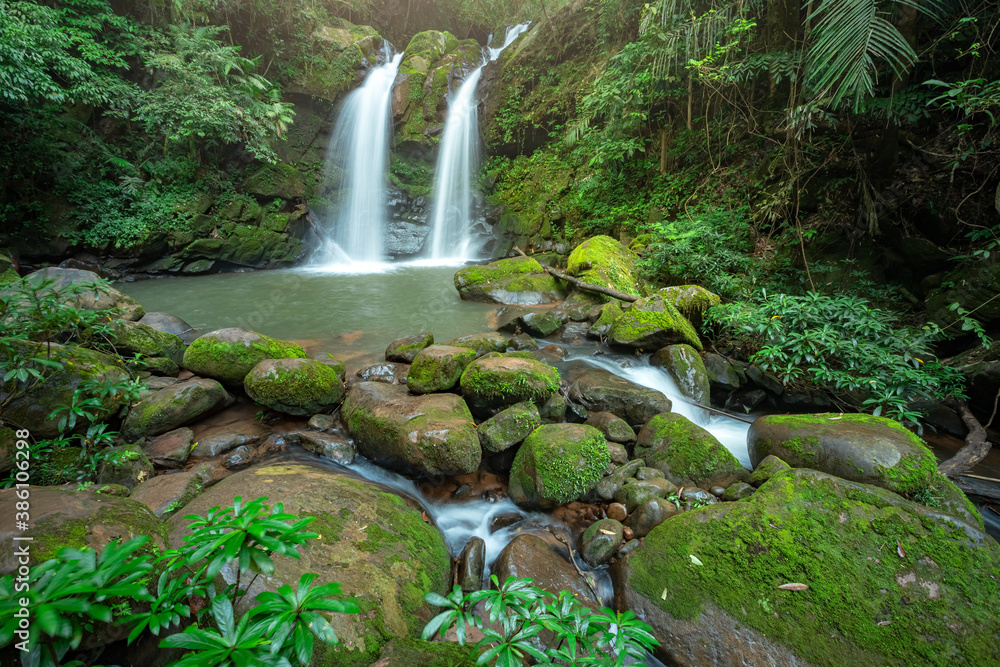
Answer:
(653, 323)
(231, 360)
(438, 368)
(295, 386)
(685, 451)
(508, 381)
(601, 260)
(840, 539)
(507, 428)
(557, 464)
(691, 300)
(495, 272)
(279, 180)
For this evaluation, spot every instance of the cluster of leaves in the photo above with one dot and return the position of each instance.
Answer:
(842, 344)
(519, 612)
(73, 593)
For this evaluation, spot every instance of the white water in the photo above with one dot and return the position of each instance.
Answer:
(359, 150)
(458, 162)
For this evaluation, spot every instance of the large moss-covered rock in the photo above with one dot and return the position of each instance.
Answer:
(164, 495)
(406, 349)
(557, 464)
(76, 519)
(438, 368)
(653, 323)
(889, 582)
(691, 300)
(271, 181)
(294, 386)
(603, 391)
(374, 543)
(491, 383)
(138, 338)
(341, 52)
(688, 370)
(482, 343)
(862, 448)
(431, 434)
(603, 261)
(173, 406)
(126, 465)
(686, 453)
(93, 297)
(229, 354)
(520, 280)
(31, 409)
(509, 427)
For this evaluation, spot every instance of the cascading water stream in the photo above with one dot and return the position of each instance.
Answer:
(357, 157)
(458, 161)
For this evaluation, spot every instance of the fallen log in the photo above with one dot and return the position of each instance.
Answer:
(607, 291)
(976, 445)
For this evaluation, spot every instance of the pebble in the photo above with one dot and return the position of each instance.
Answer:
(617, 512)
(628, 534)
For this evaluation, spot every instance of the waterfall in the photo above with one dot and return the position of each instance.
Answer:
(458, 162)
(358, 157)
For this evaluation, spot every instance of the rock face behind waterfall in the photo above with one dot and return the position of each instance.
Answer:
(890, 582)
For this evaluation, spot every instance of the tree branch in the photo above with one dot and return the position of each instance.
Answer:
(976, 445)
(607, 291)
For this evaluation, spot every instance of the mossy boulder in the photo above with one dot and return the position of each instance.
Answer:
(610, 313)
(603, 391)
(138, 338)
(165, 495)
(76, 519)
(603, 261)
(861, 448)
(686, 453)
(520, 280)
(270, 181)
(374, 543)
(688, 370)
(420, 653)
(889, 582)
(557, 464)
(431, 434)
(341, 51)
(509, 427)
(173, 406)
(652, 323)
(494, 383)
(766, 469)
(691, 300)
(95, 296)
(405, 350)
(229, 354)
(614, 428)
(8, 273)
(482, 343)
(600, 541)
(126, 465)
(31, 409)
(294, 386)
(438, 368)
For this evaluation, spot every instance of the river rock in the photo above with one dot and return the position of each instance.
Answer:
(604, 391)
(240, 457)
(686, 453)
(619, 455)
(489, 384)
(737, 491)
(126, 465)
(388, 372)
(472, 564)
(438, 368)
(554, 409)
(649, 473)
(225, 438)
(617, 512)
(171, 324)
(294, 386)
(173, 406)
(688, 370)
(649, 514)
(509, 427)
(131, 338)
(528, 556)
(431, 434)
(164, 495)
(405, 349)
(557, 464)
(229, 354)
(76, 519)
(721, 373)
(635, 492)
(861, 448)
(766, 469)
(374, 543)
(609, 313)
(691, 300)
(600, 541)
(328, 446)
(99, 297)
(482, 343)
(322, 422)
(614, 428)
(887, 565)
(609, 485)
(31, 409)
(601, 260)
(540, 324)
(520, 280)
(652, 323)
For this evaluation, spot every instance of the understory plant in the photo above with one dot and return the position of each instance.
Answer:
(78, 590)
(518, 612)
(841, 344)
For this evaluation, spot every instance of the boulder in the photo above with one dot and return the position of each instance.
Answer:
(98, 297)
(328, 446)
(225, 438)
(520, 280)
(603, 391)
(691, 300)
(229, 354)
(174, 406)
(557, 464)
(294, 386)
(126, 465)
(438, 368)
(688, 370)
(509, 427)
(652, 323)
(686, 453)
(76, 519)
(490, 384)
(614, 428)
(405, 349)
(528, 556)
(888, 582)
(601, 260)
(610, 313)
(131, 338)
(431, 434)
(600, 541)
(721, 372)
(389, 372)
(540, 324)
(31, 409)
(374, 543)
(858, 447)
(649, 514)
(766, 469)
(472, 565)
(164, 495)
(482, 343)
(171, 324)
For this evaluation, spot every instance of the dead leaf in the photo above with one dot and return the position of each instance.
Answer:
(885, 623)
(423, 515)
(899, 550)
(793, 587)
(607, 532)
(664, 596)
(694, 559)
